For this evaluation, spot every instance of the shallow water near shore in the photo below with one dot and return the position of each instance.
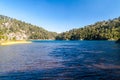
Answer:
(61, 60)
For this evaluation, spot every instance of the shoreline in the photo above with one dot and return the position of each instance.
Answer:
(4, 43)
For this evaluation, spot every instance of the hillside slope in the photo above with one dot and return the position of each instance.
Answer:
(104, 30)
(13, 29)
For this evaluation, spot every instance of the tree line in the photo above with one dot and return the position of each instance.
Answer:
(104, 30)
(10, 27)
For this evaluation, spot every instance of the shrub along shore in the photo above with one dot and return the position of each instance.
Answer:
(14, 42)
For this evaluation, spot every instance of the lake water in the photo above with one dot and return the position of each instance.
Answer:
(61, 60)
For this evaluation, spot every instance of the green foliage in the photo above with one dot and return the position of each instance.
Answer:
(105, 30)
(13, 29)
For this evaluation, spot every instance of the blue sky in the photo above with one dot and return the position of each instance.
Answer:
(60, 15)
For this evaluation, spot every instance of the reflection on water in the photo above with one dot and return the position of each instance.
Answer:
(61, 60)
(107, 66)
(27, 57)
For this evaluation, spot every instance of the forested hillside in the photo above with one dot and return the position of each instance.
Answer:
(104, 30)
(12, 29)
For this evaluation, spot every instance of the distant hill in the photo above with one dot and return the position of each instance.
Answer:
(13, 29)
(104, 30)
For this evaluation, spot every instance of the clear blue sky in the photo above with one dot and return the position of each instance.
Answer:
(60, 15)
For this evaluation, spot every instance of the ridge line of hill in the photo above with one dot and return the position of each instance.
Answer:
(13, 29)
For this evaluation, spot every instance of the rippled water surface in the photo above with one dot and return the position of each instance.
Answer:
(61, 60)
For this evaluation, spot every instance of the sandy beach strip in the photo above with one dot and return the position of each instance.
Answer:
(14, 42)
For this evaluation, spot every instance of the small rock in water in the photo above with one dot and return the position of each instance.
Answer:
(118, 41)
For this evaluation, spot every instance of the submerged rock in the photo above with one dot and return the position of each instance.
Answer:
(118, 41)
